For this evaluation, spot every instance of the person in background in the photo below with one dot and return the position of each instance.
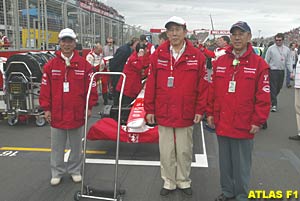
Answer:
(116, 64)
(95, 57)
(79, 48)
(256, 48)
(63, 95)
(297, 101)
(162, 37)
(278, 56)
(4, 41)
(222, 45)
(110, 48)
(238, 104)
(136, 63)
(150, 47)
(266, 49)
(294, 58)
(175, 99)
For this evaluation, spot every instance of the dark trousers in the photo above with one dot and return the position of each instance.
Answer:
(235, 160)
(276, 82)
(126, 100)
(114, 81)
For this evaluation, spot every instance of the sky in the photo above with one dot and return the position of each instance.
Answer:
(265, 17)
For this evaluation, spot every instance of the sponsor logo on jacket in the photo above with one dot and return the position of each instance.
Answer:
(55, 72)
(191, 62)
(162, 62)
(249, 70)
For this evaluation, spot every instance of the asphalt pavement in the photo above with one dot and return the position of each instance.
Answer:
(25, 169)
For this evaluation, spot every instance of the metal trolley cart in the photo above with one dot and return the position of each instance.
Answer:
(23, 75)
(86, 191)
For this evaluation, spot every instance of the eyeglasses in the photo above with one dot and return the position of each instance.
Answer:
(240, 35)
(175, 29)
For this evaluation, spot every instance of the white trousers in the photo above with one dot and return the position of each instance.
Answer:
(176, 151)
(297, 108)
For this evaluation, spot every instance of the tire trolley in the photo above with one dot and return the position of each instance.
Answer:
(87, 191)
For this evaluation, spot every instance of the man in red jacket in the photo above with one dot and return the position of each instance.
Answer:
(238, 104)
(4, 42)
(175, 98)
(222, 45)
(63, 95)
(135, 65)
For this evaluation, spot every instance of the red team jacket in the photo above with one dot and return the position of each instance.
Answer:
(176, 106)
(133, 71)
(234, 113)
(67, 108)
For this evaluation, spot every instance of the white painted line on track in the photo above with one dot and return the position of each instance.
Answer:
(200, 159)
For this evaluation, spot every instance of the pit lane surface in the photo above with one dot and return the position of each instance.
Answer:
(25, 169)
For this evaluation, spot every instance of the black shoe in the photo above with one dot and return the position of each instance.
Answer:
(165, 192)
(296, 137)
(222, 197)
(187, 191)
(288, 86)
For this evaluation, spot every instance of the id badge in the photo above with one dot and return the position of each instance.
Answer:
(231, 87)
(170, 82)
(66, 87)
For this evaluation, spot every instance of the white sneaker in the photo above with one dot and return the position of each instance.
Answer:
(76, 178)
(55, 181)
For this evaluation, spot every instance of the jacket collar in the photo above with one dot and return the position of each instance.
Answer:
(165, 48)
(75, 57)
(246, 54)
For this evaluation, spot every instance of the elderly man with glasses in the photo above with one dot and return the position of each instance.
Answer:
(175, 99)
(63, 94)
(110, 48)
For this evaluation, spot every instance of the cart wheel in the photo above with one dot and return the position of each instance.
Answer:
(119, 198)
(77, 195)
(12, 120)
(40, 121)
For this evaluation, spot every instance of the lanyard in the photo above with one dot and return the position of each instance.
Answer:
(236, 67)
(67, 59)
(233, 75)
(176, 56)
(68, 63)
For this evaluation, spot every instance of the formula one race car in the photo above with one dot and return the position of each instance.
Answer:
(133, 129)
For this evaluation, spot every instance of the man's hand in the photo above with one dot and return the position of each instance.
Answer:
(48, 116)
(254, 129)
(292, 76)
(141, 53)
(197, 118)
(89, 113)
(210, 122)
(150, 118)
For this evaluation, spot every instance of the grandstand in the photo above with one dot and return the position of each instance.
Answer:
(35, 24)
